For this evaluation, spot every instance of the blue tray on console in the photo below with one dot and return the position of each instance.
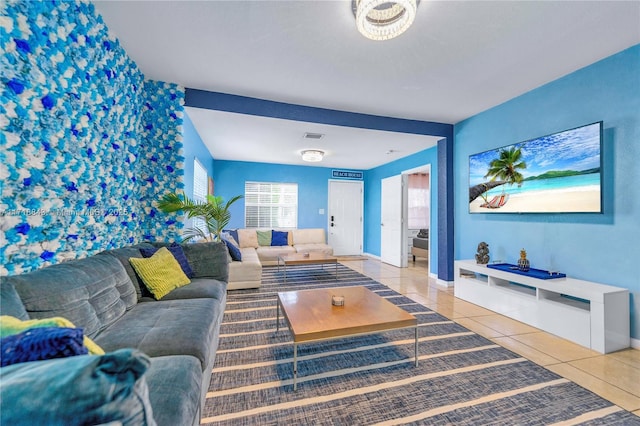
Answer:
(534, 273)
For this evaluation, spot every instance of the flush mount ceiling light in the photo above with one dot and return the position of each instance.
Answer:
(384, 19)
(312, 155)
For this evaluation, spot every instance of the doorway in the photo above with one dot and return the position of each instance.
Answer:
(346, 205)
(393, 212)
(402, 217)
(418, 223)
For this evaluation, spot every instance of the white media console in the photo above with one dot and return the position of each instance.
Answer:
(590, 314)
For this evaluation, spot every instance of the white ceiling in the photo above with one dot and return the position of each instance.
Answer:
(458, 59)
(251, 138)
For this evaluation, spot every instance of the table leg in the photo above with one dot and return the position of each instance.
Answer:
(277, 316)
(336, 270)
(416, 347)
(295, 365)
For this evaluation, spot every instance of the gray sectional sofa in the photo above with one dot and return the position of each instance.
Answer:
(103, 295)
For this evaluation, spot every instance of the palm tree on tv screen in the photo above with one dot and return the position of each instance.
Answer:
(506, 166)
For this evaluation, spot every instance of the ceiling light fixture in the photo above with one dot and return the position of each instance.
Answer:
(384, 19)
(312, 155)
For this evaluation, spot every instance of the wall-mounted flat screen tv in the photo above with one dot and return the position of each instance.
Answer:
(557, 173)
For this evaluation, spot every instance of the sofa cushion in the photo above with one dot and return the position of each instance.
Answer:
(161, 273)
(249, 270)
(123, 255)
(10, 303)
(248, 238)
(38, 344)
(172, 327)
(208, 260)
(271, 253)
(177, 252)
(92, 293)
(174, 389)
(79, 390)
(198, 288)
(264, 238)
(279, 238)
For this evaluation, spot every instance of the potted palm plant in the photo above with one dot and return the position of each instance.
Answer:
(214, 212)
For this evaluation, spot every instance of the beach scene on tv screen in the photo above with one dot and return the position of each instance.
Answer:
(558, 173)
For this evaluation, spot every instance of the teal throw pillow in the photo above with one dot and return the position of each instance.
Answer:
(81, 390)
(264, 238)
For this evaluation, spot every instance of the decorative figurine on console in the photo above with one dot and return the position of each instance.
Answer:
(523, 262)
(482, 258)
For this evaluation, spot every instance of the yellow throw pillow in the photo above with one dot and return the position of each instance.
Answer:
(161, 273)
(11, 325)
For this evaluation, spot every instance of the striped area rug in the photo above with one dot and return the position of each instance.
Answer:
(462, 378)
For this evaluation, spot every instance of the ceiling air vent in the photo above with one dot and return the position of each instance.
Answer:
(313, 135)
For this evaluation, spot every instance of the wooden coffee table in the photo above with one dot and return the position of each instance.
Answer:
(313, 258)
(311, 316)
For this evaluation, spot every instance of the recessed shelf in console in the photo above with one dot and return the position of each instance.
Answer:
(511, 286)
(564, 299)
(474, 276)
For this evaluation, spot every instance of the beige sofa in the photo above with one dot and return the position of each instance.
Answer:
(248, 272)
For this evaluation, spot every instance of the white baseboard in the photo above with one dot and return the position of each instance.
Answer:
(443, 283)
(373, 256)
(635, 343)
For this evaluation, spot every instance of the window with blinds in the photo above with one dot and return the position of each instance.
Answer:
(271, 205)
(199, 191)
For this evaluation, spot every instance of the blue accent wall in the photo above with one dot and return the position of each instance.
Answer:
(373, 201)
(194, 148)
(602, 248)
(313, 188)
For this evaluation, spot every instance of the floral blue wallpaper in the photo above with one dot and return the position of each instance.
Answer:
(86, 144)
(161, 167)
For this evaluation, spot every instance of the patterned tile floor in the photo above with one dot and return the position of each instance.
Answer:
(614, 376)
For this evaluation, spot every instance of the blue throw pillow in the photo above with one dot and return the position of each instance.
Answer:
(233, 233)
(177, 252)
(85, 389)
(41, 343)
(233, 251)
(279, 238)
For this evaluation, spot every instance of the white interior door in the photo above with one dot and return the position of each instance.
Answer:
(345, 217)
(393, 247)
